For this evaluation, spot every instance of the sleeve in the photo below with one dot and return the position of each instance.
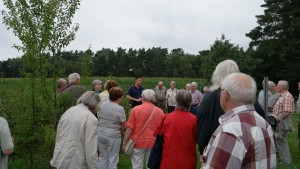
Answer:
(203, 130)
(129, 92)
(225, 151)
(5, 138)
(90, 144)
(122, 115)
(259, 109)
(131, 120)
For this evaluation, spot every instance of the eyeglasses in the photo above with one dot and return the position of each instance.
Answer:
(226, 91)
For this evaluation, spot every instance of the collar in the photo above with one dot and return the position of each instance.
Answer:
(235, 111)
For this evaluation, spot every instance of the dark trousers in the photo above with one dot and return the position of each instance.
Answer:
(193, 110)
(171, 109)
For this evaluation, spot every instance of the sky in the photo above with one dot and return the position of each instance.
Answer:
(192, 25)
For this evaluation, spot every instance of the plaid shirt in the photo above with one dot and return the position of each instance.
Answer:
(285, 103)
(243, 140)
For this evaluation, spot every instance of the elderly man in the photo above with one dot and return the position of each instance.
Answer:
(72, 93)
(61, 85)
(196, 98)
(273, 96)
(160, 95)
(243, 139)
(205, 90)
(188, 87)
(97, 86)
(6, 143)
(134, 93)
(283, 108)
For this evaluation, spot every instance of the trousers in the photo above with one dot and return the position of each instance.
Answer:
(139, 156)
(109, 149)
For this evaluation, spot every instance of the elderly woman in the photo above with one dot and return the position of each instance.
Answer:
(76, 137)
(97, 86)
(210, 110)
(138, 117)
(179, 131)
(170, 97)
(111, 123)
(107, 85)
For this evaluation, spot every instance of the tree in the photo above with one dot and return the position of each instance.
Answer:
(41, 26)
(276, 39)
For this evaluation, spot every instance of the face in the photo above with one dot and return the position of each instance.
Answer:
(280, 87)
(172, 86)
(98, 87)
(187, 87)
(160, 85)
(139, 82)
(193, 87)
(63, 86)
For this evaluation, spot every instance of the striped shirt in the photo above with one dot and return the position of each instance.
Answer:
(285, 103)
(243, 140)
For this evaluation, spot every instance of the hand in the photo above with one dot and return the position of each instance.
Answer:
(138, 100)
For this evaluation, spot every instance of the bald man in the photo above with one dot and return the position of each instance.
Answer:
(160, 95)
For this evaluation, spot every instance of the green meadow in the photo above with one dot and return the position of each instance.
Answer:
(31, 115)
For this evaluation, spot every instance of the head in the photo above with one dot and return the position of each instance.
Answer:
(263, 84)
(116, 94)
(97, 85)
(74, 79)
(61, 84)
(188, 87)
(223, 69)
(160, 84)
(183, 100)
(205, 89)
(109, 84)
(148, 95)
(282, 86)
(237, 89)
(271, 86)
(138, 81)
(194, 86)
(90, 99)
(172, 84)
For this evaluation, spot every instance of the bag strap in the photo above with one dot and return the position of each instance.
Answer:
(146, 123)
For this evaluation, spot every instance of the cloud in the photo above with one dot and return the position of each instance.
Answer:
(191, 25)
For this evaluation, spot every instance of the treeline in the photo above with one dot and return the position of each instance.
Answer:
(152, 62)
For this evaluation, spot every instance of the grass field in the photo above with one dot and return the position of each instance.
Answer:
(15, 105)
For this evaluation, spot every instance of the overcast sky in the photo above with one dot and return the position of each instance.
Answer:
(192, 25)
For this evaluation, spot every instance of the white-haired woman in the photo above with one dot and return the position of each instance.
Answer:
(76, 137)
(139, 115)
(210, 110)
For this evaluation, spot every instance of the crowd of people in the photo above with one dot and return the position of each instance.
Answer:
(225, 120)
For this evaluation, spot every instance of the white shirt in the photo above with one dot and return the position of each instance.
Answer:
(5, 142)
(171, 94)
(76, 140)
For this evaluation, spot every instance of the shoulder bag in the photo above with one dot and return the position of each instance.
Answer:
(130, 144)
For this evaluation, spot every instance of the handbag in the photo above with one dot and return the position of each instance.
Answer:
(130, 144)
(156, 152)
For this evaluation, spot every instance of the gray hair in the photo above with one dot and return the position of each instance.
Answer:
(96, 82)
(223, 69)
(284, 83)
(60, 82)
(271, 84)
(73, 77)
(188, 84)
(194, 84)
(205, 88)
(172, 82)
(241, 88)
(148, 95)
(183, 100)
(90, 99)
